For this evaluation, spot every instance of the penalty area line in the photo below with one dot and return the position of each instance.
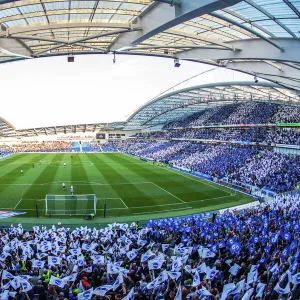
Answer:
(168, 192)
(165, 210)
(18, 203)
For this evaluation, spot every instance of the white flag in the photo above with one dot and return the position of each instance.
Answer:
(7, 275)
(282, 291)
(86, 295)
(53, 260)
(130, 296)
(174, 275)
(234, 269)
(26, 286)
(165, 247)
(102, 290)
(15, 283)
(179, 293)
(260, 290)
(131, 255)
(118, 282)
(248, 294)
(57, 281)
(88, 270)
(154, 264)
(146, 255)
(196, 279)
(227, 288)
(37, 264)
(70, 278)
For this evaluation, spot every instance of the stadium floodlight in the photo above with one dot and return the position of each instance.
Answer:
(177, 64)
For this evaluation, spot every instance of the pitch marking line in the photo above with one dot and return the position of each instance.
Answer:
(168, 192)
(119, 198)
(150, 212)
(18, 203)
(182, 174)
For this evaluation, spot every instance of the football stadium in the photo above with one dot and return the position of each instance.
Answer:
(195, 194)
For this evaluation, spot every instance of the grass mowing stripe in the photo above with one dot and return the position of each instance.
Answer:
(39, 190)
(112, 173)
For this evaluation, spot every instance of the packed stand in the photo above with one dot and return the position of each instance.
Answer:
(251, 255)
(242, 113)
(49, 146)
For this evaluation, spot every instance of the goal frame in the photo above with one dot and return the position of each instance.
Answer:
(65, 198)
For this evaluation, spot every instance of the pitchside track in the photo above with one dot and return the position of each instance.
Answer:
(131, 187)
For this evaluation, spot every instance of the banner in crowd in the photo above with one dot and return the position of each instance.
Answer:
(9, 214)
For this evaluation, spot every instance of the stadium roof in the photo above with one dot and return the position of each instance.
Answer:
(258, 37)
(5, 127)
(184, 102)
(170, 107)
(10, 131)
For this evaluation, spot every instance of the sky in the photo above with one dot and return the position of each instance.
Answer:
(50, 91)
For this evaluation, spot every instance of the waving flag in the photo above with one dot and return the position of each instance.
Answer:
(70, 278)
(179, 293)
(296, 278)
(234, 269)
(238, 288)
(154, 264)
(275, 269)
(26, 286)
(152, 284)
(146, 255)
(102, 290)
(111, 269)
(188, 268)
(165, 247)
(196, 279)
(15, 283)
(88, 270)
(163, 276)
(282, 291)
(75, 251)
(130, 296)
(86, 247)
(118, 282)
(227, 288)
(202, 268)
(37, 264)
(252, 277)
(53, 260)
(235, 248)
(3, 256)
(248, 294)
(86, 295)
(56, 281)
(260, 290)
(41, 255)
(7, 275)
(174, 275)
(131, 255)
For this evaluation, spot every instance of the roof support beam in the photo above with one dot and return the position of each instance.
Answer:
(161, 16)
(78, 41)
(265, 12)
(292, 7)
(60, 26)
(252, 49)
(248, 29)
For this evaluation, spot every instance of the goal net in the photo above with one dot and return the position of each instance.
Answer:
(70, 204)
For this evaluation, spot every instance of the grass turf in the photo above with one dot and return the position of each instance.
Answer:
(135, 190)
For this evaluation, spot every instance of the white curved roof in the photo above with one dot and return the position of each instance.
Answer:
(258, 37)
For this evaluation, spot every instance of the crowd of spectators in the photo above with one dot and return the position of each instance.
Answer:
(241, 113)
(49, 146)
(254, 254)
(262, 135)
(256, 165)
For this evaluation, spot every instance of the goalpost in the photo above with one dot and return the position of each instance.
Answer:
(68, 205)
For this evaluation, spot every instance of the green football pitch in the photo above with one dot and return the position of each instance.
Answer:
(131, 187)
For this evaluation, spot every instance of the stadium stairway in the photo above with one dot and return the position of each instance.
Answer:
(75, 147)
